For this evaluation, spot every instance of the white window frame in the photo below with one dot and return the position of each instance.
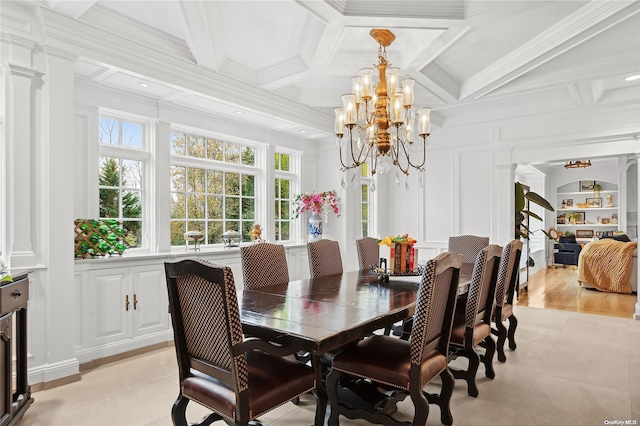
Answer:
(257, 170)
(143, 154)
(293, 175)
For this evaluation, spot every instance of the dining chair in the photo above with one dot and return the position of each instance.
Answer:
(239, 379)
(505, 289)
(368, 252)
(324, 258)
(468, 246)
(264, 264)
(406, 366)
(472, 321)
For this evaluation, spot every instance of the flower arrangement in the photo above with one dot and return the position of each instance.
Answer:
(323, 202)
(398, 239)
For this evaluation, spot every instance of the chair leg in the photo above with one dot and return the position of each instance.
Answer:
(470, 374)
(513, 324)
(502, 336)
(179, 411)
(421, 408)
(448, 383)
(487, 358)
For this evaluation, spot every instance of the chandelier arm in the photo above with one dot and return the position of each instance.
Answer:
(359, 161)
(424, 156)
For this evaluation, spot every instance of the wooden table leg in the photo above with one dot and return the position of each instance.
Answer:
(321, 391)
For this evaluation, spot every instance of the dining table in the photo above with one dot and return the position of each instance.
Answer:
(322, 314)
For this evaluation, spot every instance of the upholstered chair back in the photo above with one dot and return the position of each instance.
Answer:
(368, 252)
(324, 258)
(264, 264)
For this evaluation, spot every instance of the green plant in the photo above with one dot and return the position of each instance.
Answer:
(597, 187)
(522, 213)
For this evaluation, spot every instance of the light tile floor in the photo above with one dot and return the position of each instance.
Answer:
(569, 369)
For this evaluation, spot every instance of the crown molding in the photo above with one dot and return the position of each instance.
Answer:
(433, 9)
(286, 68)
(182, 73)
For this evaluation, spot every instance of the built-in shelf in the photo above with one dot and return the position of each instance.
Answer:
(591, 214)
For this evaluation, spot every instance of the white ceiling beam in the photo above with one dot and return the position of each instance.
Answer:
(577, 28)
(197, 17)
(72, 9)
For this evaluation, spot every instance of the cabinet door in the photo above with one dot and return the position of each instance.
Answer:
(107, 318)
(149, 300)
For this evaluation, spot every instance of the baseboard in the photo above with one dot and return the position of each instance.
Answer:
(123, 355)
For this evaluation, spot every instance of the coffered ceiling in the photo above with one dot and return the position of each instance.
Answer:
(285, 64)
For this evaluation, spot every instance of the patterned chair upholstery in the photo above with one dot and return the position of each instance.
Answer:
(238, 379)
(324, 258)
(472, 322)
(505, 289)
(368, 252)
(468, 246)
(406, 366)
(264, 264)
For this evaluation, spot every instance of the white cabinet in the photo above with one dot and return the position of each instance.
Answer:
(124, 309)
(595, 215)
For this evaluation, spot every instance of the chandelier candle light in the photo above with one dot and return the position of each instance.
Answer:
(380, 125)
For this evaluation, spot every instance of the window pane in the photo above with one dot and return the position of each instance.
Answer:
(178, 144)
(365, 193)
(284, 210)
(231, 226)
(214, 181)
(277, 161)
(131, 174)
(277, 231)
(248, 185)
(133, 236)
(108, 133)
(195, 146)
(232, 183)
(195, 206)
(109, 203)
(232, 208)
(178, 206)
(214, 207)
(232, 153)
(284, 162)
(178, 178)
(246, 230)
(132, 204)
(365, 229)
(195, 225)
(248, 156)
(109, 172)
(365, 169)
(195, 181)
(248, 208)
(214, 149)
(284, 231)
(365, 212)
(214, 235)
(284, 188)
(178, 229)
(131, 135)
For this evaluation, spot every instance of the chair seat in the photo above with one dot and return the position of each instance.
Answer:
(388, 360)
(272, 381)
(480, 331)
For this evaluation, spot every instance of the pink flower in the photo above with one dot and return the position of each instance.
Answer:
(322, 202)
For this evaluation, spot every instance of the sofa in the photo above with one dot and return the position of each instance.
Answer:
(633, 273)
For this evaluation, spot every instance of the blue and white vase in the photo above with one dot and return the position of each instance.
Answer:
(315, 227)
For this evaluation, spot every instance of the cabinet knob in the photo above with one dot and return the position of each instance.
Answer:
(126, 302)
(16, 294)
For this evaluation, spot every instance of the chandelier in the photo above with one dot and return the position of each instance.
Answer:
(577, 164)
(380, 124)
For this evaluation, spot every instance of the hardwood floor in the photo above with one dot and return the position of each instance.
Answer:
(558, 288)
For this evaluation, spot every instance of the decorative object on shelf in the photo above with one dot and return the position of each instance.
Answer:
(577, 164)
(523, 215)
(323, 202)
(99, 238)
(610, 200)
(256, 233)
(569, 203)
(575, 218)
(614, 219)
(594, 202)
(564, 204)
(231, 238)
(195, 237)
(584, 233)
(604, 220)
(315, 227)
(587, 185)
(380, 122)
(553, 234)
